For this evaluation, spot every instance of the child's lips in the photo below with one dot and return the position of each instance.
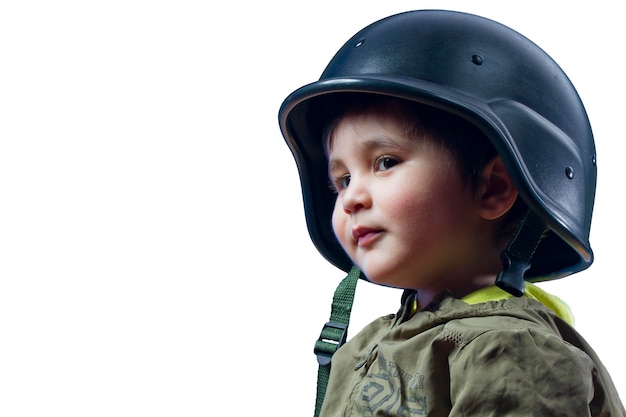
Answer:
(363, 236)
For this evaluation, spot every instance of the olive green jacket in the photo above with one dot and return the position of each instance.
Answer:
(504, 357)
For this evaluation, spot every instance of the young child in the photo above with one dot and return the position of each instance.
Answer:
(447, 155)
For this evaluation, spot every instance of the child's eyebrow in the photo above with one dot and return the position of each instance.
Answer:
(368, 146)
(333, 165)
(385, 142)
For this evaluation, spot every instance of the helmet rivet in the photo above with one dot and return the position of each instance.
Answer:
(593, 160)
(359, 43)
(477, 59)
(569, 172)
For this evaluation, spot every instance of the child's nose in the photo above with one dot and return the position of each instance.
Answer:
(355, 197)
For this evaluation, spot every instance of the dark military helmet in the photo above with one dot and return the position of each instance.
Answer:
(491, 76)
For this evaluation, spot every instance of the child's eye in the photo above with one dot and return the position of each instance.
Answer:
(386, 162)
(340, 183)
(344, 182)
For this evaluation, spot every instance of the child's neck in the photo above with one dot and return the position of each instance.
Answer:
(426, 295)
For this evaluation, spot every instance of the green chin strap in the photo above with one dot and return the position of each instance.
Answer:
(335, 332)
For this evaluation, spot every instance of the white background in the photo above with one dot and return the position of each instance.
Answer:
(154, 258)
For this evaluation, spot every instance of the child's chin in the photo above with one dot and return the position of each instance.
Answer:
(382, 280)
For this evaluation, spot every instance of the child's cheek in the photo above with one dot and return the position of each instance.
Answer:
(341, 226)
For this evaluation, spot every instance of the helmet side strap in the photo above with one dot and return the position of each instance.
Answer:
(335, 332)
(517, 255)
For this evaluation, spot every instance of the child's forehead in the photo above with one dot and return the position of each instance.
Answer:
(392, 117)
(373, 132)
(361, 122)
(406, 119)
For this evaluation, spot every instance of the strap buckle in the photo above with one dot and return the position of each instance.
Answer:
(332, 337)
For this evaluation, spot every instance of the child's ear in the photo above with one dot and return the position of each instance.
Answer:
(496, 191)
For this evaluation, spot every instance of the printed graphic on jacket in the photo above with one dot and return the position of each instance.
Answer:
(383, 390)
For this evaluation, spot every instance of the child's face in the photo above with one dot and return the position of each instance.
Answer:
(403, 213)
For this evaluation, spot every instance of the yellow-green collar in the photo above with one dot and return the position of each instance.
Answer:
(532, 291)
